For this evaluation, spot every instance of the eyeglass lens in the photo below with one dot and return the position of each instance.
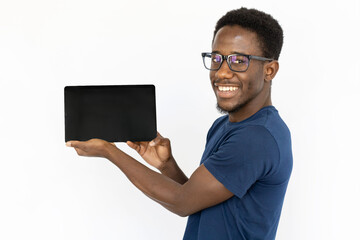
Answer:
(237, 62)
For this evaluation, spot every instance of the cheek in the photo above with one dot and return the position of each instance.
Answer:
(255, 82)
(253, 86)
(212, 75)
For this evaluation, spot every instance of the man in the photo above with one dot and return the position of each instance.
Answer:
(238, 190)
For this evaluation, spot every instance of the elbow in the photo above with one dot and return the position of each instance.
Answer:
(185, 211)
(178, 208)
(182, 213)
(182, 207)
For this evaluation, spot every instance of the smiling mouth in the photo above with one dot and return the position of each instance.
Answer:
(227, 89)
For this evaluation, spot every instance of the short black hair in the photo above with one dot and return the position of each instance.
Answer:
(268, 30)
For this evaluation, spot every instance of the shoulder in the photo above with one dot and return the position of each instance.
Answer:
(275, 124)
(251, 137)
(267, 122)
(218, 123)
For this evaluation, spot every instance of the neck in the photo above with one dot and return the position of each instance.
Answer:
(251, 107)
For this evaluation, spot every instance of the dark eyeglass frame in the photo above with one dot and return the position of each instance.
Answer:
(227, 58)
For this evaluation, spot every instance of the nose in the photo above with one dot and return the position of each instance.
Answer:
(224, 72)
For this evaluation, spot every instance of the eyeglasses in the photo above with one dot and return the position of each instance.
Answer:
(237, 62)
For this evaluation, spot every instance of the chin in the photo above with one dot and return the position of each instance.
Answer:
(229, 109)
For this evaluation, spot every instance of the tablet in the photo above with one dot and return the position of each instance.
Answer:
(115, 113)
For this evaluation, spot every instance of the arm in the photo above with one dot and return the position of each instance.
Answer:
(201, 191)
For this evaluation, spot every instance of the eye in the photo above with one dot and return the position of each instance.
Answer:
(216, 58)
(238, 59)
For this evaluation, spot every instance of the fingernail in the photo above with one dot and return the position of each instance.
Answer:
(152, 143)
(68, 144)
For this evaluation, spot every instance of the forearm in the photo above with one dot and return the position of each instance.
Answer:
(172, 170)
(201, 190)
(158, 187)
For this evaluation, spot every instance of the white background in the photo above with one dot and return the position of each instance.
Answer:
(48, 192)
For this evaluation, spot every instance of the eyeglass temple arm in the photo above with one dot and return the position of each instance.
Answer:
(261, 58)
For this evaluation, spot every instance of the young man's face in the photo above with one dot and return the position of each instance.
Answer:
(235, 90)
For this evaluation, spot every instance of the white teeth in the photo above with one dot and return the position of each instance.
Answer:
(223, 88)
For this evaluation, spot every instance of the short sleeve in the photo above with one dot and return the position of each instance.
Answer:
(244, 157)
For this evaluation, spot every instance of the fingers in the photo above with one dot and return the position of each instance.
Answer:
(92, 148)
(79, 147)
(134, 146)
(80, 152)
(158, 141)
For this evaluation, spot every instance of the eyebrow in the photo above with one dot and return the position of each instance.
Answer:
(233, 52)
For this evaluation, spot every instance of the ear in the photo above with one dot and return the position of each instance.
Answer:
(270, 70)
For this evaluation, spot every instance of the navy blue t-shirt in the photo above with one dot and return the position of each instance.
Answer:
(252, 159)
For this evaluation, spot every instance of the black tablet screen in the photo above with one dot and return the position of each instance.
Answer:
(115, 113)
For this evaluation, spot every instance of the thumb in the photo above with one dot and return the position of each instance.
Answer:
(159, 140)
(75, 144)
